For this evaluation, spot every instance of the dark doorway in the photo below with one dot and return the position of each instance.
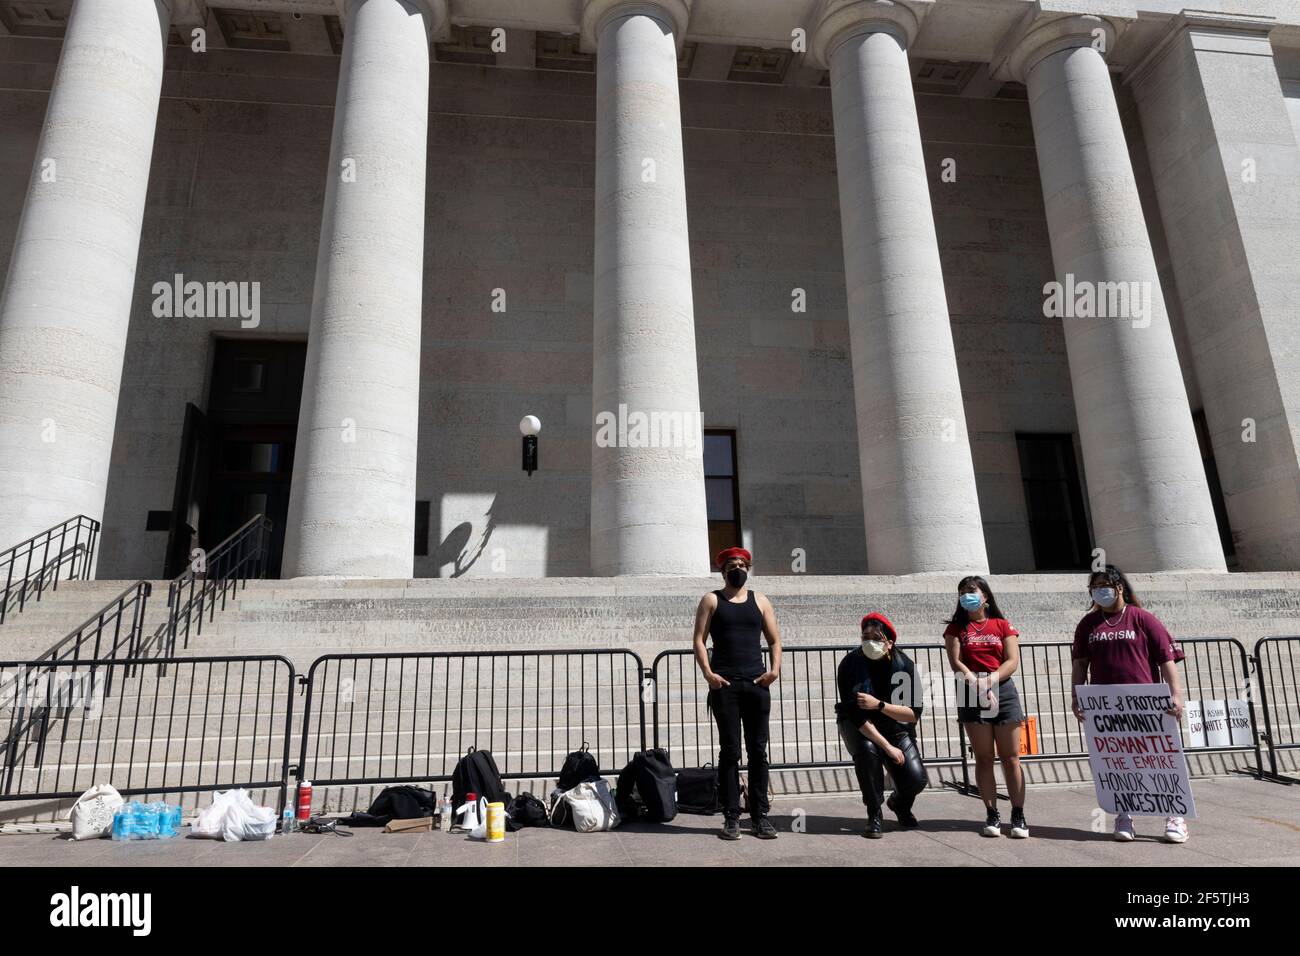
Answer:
(237, 459)
(1054, 501)
(190, 498)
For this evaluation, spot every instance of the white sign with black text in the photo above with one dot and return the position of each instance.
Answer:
(1136, 750)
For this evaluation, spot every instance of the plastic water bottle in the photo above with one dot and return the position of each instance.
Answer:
(146, 821)
(286, 820)
(446, 811)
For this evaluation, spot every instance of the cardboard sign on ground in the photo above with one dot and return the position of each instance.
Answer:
(413, 825)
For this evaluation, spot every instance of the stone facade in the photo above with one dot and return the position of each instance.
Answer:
(512, 212)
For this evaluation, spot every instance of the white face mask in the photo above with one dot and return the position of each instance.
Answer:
(873, 649)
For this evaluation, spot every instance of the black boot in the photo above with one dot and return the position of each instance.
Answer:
(875, 827)
(906, 818)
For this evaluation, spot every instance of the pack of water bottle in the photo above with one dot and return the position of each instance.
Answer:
(147, 821)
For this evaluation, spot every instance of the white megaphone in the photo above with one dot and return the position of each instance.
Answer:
(473, 817)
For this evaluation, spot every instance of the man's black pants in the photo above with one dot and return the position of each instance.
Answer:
(742, 704)
(870, 762)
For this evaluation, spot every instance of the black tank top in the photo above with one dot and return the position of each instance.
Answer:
(737, 632)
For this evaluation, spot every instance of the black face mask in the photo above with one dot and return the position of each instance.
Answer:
(736, 577)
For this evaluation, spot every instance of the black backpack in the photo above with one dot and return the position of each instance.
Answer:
(697, 790)
(578, 766)
(477, 773)
(526, 810)
(647, 788)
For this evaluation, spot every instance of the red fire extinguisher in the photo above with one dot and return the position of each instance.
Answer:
(304, 800)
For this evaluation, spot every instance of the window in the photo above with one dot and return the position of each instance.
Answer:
(1054, 502)
(249, 375)
(721, 489)
(421, 529)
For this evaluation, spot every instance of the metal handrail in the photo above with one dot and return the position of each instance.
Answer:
(227, 567)
(136, 597)
(68, 650)
(47, 572)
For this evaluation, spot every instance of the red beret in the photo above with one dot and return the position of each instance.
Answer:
(881, 620)
(728, 553)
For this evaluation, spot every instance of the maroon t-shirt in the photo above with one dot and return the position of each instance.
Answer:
(1127, 650)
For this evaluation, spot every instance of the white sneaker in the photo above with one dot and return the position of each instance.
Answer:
(1175, 830)
(992, 823)
(1124, 828)
(1019, 828)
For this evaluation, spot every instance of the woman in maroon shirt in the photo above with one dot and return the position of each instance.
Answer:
(1120, 642)
(983, 649)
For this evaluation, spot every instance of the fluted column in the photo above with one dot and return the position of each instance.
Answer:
(352, 507)
(1149, 498)
(918, 482)
(67, 298)
(648, 511)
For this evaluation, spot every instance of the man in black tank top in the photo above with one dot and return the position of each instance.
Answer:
(738, 619)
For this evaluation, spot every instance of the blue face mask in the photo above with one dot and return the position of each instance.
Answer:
(1104, 597)
(971, 602)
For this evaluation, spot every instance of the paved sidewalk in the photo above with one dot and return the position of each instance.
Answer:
(1242, 822)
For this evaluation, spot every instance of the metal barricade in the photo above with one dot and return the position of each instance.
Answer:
(1277, 679)
(157, 726)
(803, 733)
(406, 718)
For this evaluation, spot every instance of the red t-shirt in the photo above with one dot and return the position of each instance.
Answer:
(1124, 651)
(982, 648)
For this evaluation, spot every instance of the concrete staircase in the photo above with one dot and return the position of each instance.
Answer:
(304, 619)
(28, 635)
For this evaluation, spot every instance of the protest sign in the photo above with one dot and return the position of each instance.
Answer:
(1218, 723)
(1136, 750)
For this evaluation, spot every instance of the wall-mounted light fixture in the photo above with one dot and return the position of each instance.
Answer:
(530, 425)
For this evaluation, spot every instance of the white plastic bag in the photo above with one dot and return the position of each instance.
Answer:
(92, 814)
(233, 817)
(592, 806)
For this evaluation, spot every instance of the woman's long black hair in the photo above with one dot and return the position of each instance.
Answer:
(961, 617)
(1116, 579)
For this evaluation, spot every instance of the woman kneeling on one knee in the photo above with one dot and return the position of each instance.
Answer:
(880, 702)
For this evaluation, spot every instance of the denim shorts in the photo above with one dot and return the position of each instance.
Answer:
(1009, 710)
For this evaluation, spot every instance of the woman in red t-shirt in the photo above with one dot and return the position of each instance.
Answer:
(1120, 642)
(983, 649)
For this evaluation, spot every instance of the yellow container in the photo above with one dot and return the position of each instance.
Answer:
(496, 822)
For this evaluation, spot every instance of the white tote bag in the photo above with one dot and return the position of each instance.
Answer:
(92, 814)
(592, 806)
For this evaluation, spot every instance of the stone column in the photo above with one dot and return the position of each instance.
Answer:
(918, 482)
(647, 483)
(1226, 171)
(67, 298)
(1149, 498)
(352, 505)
